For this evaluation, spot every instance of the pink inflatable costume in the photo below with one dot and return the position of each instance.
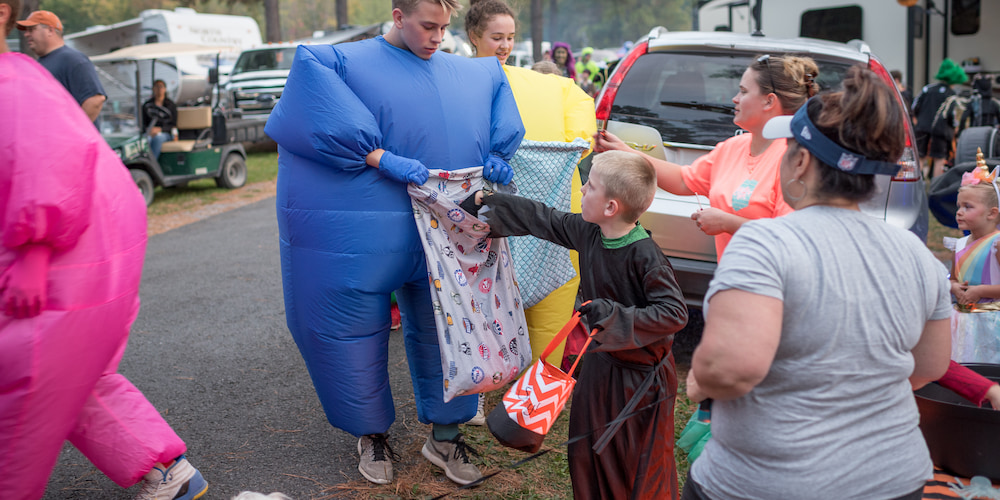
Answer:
(61, 186)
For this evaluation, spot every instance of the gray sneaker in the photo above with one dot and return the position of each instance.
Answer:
(452, 456)
(376, 458)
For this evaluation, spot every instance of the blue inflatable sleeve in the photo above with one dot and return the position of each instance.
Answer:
(506, 129)
(309, 119)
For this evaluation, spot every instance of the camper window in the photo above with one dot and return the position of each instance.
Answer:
(838, 24)
(965, 17)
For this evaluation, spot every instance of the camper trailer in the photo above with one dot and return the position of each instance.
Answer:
(913, 36)
(186, 76)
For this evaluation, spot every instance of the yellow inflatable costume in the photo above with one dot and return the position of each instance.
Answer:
(553, 108)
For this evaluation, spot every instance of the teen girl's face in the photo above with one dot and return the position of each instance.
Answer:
(750, 101)
(497, 39)
(595, 199)
(423, 29)
(973, 212)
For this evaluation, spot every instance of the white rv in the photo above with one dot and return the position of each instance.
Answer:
(186, 76)
(911, 39)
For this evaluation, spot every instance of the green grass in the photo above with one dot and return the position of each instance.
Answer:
(261, 166)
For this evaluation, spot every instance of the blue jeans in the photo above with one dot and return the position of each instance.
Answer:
(156, 142)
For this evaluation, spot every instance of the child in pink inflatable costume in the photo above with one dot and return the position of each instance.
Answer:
(73, 239)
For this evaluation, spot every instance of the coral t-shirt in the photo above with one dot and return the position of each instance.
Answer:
(737, 183)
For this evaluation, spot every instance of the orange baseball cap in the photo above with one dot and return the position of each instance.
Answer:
(40, 17)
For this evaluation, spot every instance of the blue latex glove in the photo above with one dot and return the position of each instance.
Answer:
(402, 169)
(496, 170)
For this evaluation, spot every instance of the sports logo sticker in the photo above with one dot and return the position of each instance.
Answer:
(464, 347)
(477, 374)
(503, 354)
(467, 323)
(452, 369)
(497, 378)
(484, 352)
(512, 345)
(497, 327)
(460, 277)
(456, 215)
(485, 285)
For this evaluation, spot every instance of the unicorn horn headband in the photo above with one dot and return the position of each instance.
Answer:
(981, 174)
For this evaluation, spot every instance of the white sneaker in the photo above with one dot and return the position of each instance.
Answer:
(480, 418)
(180, 481)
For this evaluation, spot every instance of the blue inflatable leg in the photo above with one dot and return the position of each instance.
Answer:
(424, 356)
(343, 336)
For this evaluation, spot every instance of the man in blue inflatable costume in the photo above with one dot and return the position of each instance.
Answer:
(355, 124)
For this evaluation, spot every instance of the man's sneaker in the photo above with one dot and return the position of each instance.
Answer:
(480, 418)
(452, 456)
(376, 458)
(180, 481)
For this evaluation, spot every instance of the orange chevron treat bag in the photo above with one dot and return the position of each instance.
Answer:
(533, 403)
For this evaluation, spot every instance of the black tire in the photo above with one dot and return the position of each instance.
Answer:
(233, 173)
(144, 182)
(976, 137)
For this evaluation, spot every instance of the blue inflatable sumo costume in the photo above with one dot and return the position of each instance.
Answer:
(347, 233)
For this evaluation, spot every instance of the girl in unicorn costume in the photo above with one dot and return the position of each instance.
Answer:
(975, 273)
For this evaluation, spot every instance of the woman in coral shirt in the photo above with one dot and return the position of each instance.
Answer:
(740, 176)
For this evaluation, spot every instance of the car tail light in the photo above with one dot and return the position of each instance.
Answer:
(910, 161)
(607, 97)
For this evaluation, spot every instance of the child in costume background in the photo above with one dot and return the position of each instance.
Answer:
(975, 273)
(636, 306)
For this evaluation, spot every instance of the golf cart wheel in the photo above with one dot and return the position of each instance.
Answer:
(144, 182)
(234, 172)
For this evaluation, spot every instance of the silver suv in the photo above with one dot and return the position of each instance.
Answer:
(679, 86)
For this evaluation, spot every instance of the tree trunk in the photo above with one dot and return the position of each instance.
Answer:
(27, 7)
(272, 21)
(536, 29)
(553, 24)
(342, 14)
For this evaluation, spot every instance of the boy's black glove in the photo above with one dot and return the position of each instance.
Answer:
(469, 205)
(596, 310)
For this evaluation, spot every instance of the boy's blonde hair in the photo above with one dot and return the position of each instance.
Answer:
(628, 178)
(408, 6)
(986, 193)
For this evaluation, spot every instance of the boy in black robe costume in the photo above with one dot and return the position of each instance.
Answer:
(636, 306)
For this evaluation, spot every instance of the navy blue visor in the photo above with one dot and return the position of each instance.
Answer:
(801, 128)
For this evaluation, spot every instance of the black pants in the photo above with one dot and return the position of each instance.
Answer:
(693, 491)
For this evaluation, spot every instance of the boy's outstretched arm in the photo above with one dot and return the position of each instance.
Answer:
(630, 327)
(510, 215)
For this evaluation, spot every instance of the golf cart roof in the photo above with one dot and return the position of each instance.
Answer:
(159, 51)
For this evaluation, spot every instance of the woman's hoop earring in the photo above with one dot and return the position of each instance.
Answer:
(799, 197)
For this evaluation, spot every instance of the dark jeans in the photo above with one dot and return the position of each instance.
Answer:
(693, 491)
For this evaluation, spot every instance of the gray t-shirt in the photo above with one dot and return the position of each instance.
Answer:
(835, 416)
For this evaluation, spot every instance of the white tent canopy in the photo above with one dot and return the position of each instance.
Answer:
(159, 51)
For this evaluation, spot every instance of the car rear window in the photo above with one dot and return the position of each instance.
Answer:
(265, 60)
(688, 96)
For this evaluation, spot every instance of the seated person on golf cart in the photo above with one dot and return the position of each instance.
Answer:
(159, 117)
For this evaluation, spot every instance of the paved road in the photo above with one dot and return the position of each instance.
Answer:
(211, 351)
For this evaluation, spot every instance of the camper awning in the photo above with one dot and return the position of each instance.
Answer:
(159, 51)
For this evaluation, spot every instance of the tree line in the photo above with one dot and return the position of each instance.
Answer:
(596, 23)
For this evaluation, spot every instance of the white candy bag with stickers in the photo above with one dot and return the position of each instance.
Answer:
(477, 305)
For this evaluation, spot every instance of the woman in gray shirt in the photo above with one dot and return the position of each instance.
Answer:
(820, 323)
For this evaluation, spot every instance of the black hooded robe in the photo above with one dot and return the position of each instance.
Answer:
(631, 347)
